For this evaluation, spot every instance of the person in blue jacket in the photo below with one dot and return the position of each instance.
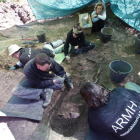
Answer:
(112, 116)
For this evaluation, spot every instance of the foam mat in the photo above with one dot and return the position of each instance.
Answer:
(18, 107)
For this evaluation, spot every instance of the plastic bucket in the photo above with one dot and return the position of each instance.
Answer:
(137, 41)
(106, 34)
(40, 36)
(119, 69)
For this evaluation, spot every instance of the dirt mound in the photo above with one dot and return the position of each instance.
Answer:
(15, 13)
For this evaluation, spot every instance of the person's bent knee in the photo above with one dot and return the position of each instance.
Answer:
(92, 45)
(59, 86)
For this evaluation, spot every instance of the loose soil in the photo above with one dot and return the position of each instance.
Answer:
(57, 123)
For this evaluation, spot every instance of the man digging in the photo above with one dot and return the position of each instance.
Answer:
(43, 75)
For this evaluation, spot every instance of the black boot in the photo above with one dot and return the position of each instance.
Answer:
(98, 35)
(68, 82)
(46, 95)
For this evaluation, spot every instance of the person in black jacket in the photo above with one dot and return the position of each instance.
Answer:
(25, 54)
(76, 38)
(43, 75)
(112, 116)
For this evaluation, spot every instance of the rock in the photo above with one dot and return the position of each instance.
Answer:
(14, 5)
(23, 15)
(5, 10)
(61, 115)
(74, 115)
(16, 9)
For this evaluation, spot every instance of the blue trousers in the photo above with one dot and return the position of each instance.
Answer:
(27, 90)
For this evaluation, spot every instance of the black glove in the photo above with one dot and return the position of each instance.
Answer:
(14, 67)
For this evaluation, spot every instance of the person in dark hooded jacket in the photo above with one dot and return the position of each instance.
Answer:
(112, 116)
(43, 75)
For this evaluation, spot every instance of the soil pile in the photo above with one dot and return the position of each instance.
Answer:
(15, 13)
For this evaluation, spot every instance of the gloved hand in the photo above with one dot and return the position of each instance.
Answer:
(12, 68)
(67, 58)
(59, 80)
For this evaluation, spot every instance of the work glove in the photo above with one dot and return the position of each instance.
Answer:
(67, 58)
(12, 68)
(59, 80)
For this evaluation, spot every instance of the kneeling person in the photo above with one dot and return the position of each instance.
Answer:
(43, 75)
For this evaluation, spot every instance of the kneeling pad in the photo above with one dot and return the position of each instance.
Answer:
(19, 107)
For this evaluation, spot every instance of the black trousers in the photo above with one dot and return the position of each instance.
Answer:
(97, 26)
(88, 46)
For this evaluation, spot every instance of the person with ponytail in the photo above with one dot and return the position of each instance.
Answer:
(112, 115)
(76, 38)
